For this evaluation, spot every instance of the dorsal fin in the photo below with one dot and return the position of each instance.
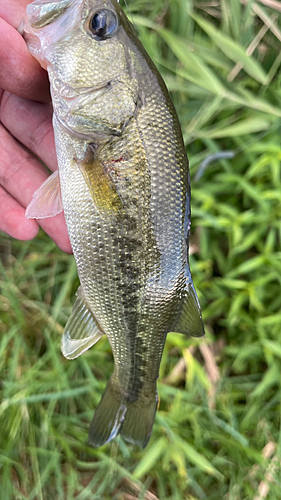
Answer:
(189, 321)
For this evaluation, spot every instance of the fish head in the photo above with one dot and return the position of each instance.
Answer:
(89, 49)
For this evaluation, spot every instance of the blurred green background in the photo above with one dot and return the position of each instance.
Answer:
(216, 434)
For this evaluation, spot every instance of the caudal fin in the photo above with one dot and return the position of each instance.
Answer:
(116, 414)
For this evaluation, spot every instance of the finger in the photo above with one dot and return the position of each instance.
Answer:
(21, 174)
(13, 11)
(31, 124)
(55, 227)
(13, 221)
(20, 73)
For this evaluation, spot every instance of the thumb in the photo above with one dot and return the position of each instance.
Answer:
(20, 73)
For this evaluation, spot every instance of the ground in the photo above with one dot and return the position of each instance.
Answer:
(216, 434)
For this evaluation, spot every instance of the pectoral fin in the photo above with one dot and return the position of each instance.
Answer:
(81, 331)
(189, 321)
(102, 189)
(46, 201)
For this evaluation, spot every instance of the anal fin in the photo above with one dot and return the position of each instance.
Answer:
(189, 321)
(81, 331)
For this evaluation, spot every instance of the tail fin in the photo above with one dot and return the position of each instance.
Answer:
(138, 423)
(116, 414)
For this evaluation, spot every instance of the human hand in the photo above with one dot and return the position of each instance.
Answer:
(26, 132)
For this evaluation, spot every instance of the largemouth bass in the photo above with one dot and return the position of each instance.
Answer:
(124, 186)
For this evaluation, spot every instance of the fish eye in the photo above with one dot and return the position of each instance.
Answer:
(103, 24)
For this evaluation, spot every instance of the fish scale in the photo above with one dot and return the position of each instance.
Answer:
(124, 180)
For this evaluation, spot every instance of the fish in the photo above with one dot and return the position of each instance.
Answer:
(124, 185)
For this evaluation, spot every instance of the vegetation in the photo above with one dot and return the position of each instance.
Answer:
(216, 434)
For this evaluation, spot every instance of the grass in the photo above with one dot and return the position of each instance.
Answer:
(217, 431)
